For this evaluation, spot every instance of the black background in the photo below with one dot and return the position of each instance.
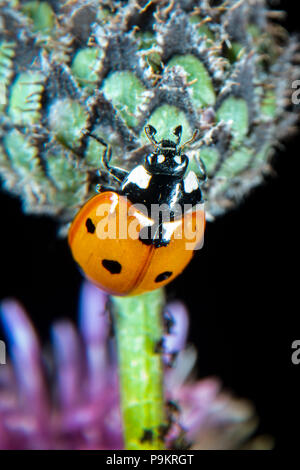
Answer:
(242, 289)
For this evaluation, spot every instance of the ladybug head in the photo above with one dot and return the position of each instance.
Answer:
(167, 157)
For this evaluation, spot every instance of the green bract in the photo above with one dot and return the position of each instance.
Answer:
(125, 91)
(202, 91)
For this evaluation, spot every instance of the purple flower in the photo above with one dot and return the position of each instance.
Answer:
(70, 399)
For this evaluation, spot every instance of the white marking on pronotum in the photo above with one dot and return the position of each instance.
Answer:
(178, 159)
(190, 182)
(140, 177)
(160, 158)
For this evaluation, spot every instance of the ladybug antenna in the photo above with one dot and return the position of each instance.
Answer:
(178, 132)
(150, 132)
(193, 138)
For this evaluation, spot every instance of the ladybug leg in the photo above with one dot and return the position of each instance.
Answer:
(117, 173)
(150, 132)
(100, 188)
(202, 175)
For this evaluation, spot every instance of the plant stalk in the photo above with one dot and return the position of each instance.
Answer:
(139, 329)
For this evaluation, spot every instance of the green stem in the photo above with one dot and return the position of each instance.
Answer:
(138, 324)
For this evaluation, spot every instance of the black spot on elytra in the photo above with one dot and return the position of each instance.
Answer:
(90, 226)
(112, 266)
(163, 276)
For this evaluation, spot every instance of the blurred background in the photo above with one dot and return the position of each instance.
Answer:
(241, 288)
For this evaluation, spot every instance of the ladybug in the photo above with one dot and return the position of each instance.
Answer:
(141, 230)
